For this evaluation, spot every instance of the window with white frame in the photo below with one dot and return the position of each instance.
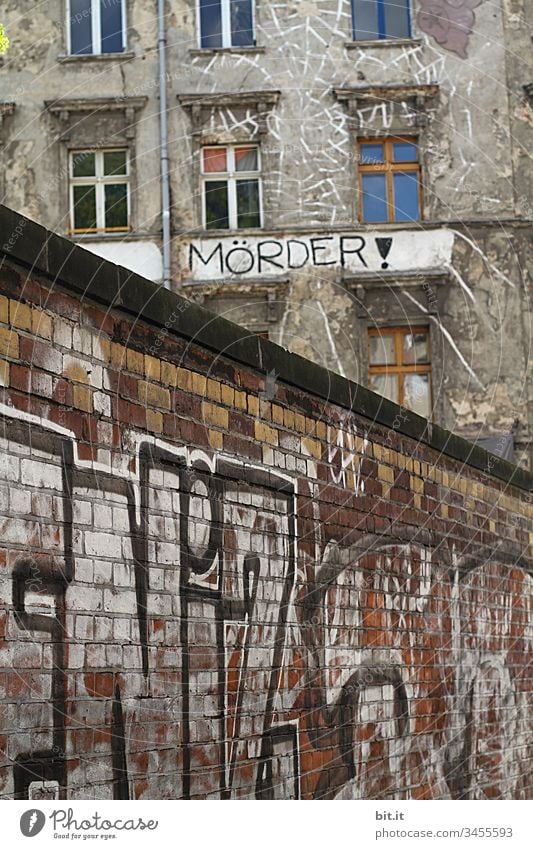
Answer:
(226, 23)
(99, 191)
(380, 19)
(96, 26)
(231, 187)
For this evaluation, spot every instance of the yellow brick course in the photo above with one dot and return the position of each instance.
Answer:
(169, 373)
(135, 361)
(277, 414)
(20, 315)
(154, 421)
(198, 383)
(9, 343)
(213, 389)
(240, 400)
(105, 348)
(118, 355)
(184, 380)
(4, 373)
(416, 484)
(152, 367)
(253, 405)
(265, 409)
(321, 430)
(227, 395)
(314, 447)
(82, 398)
(41, 324)
(214, 415)
(288, 419)
(216, 439)
(385, 473)
(265, 433)
(299, 423)
(4, 310)
(152, 395)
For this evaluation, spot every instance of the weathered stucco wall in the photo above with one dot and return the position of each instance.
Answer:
(458, 85)
(226, 572)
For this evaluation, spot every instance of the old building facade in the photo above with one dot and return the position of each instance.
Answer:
(348, 177)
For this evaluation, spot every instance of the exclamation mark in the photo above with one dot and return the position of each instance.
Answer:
(384, 246)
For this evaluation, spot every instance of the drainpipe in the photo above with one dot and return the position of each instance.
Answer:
(163, 142)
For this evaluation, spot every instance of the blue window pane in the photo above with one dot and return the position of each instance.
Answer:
(80, 27)
(396, 14)
(111, 26)
(365, 20)
(371, 154)
(406, 206)
(374, 197)
(405, 152)
(242, 33)
(210, 23)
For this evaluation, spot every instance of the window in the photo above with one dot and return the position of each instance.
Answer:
(374, 19)
(97, 26)
(399, 366)
(231, 187)
(226, 23)
(389, 173)
(99, 191)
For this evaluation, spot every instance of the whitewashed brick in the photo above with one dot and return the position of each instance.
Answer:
(84, 598)
(102, 516)
(120, 601)
(43, 475)
(19, 501)
(82, 513)
(82, 340)
(102, 545)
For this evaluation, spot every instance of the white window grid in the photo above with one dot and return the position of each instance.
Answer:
(232, 177)
(99, 181)
(96, 30)
(225, 14)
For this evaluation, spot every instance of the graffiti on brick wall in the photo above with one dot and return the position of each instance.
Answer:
(191, 568)
(346, 449)
(170, 640)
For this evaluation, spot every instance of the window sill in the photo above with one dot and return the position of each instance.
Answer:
(390, 225)
(125, 235)
(384, 42)
(212, 51)
(96, 57)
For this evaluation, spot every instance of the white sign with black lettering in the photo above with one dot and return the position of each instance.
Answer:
(271, 256)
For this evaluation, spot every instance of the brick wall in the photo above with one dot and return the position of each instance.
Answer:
(226, 572)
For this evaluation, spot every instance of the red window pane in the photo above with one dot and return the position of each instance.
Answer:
(214, 159)
(246, 159)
